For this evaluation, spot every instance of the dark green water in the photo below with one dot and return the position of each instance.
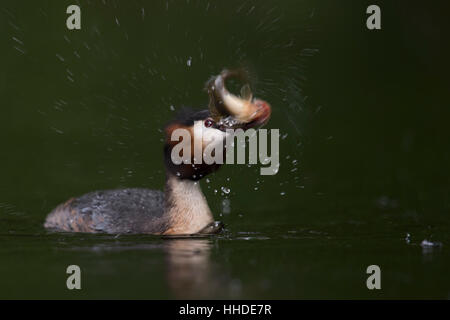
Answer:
(364, 152)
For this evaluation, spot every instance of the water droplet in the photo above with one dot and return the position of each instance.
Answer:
(426, 243)
(59, 57)
(226, 206)
(225, 190)
(408, 238)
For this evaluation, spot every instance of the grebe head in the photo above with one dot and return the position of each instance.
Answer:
(206, 127)
(203, 131)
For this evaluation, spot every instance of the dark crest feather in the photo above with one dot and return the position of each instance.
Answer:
(186, 116)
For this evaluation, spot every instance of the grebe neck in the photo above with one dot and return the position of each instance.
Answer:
(185, 206)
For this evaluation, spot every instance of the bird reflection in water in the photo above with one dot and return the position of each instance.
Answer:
(188, 269)
(190, 273)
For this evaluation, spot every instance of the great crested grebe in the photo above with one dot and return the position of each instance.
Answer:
(182, 208)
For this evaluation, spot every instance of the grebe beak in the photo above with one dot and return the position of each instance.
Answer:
(245, 111)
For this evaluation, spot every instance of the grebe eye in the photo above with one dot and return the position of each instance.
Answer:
(209, 123)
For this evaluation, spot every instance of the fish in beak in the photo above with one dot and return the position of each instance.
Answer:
(233, 111)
